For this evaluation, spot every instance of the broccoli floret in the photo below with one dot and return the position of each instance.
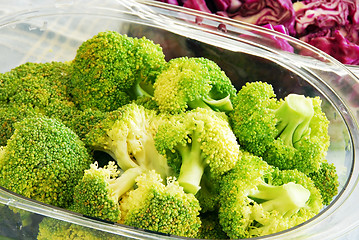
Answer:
(53, 229)
(43, 160)
(326, 180)
(195, 139)
(257, 199)
(99, 191)
(35, 84)
(289, 133)
(188, 83)
(161, 207)
(110, 69)
(127, 134)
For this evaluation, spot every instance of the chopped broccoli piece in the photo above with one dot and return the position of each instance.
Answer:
(43, 160)
(35, 84)
(284, 132)
(127, 134)
(109, 70)
(98, 193)
(160, 207)
(326, 180)
(188, 83)
(195, 139)
(257, 199)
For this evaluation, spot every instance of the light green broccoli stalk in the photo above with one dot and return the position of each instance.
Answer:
(111, 69)
(294, 116)
(43, 160)
(99, 191)
(257, 199)
(160, 207)
(194, 140)
(188, 83)
(127, 134)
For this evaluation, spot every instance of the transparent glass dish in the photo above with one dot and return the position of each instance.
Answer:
(245, 52)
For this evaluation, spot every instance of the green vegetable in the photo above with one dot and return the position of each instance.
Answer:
(257, 199)
(127, 134)
(110, 69)
(188, 83)
(290, 133)
(195, 139)
(43, 160)
(161, 207)
(98, 193)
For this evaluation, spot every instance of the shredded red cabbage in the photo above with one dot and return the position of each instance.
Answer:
(330, 25)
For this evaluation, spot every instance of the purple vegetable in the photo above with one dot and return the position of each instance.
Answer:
(332, 26)
(336, 45)
(260, 12)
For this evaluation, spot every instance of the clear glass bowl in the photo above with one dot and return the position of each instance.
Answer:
(245, 52)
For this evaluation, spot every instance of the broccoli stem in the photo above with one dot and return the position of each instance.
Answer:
(192, 167)
(140, 90)
(222, 105)
(124, 182)
(287, 199)
(150, 158)
(294, 116)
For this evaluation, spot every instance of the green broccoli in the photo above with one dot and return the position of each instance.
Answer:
(53, 229)
(98, 193)
(35, 84)
(110, 69)
(257, 199)
(161, 207)
(289, 133)
(43, 160)
(188, 83)
(127, 134)
(195, 139)
(326, 180)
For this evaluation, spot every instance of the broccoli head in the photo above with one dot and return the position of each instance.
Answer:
(289, 133)
(98, 193)
(257, 199)
(195, 139)
(188, 83)
(161, 207)
(127, 134)
(35, 84)
(110, 69)
(326, 180)
(43, 160)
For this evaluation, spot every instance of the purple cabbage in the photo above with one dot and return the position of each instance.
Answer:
(330, 25)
